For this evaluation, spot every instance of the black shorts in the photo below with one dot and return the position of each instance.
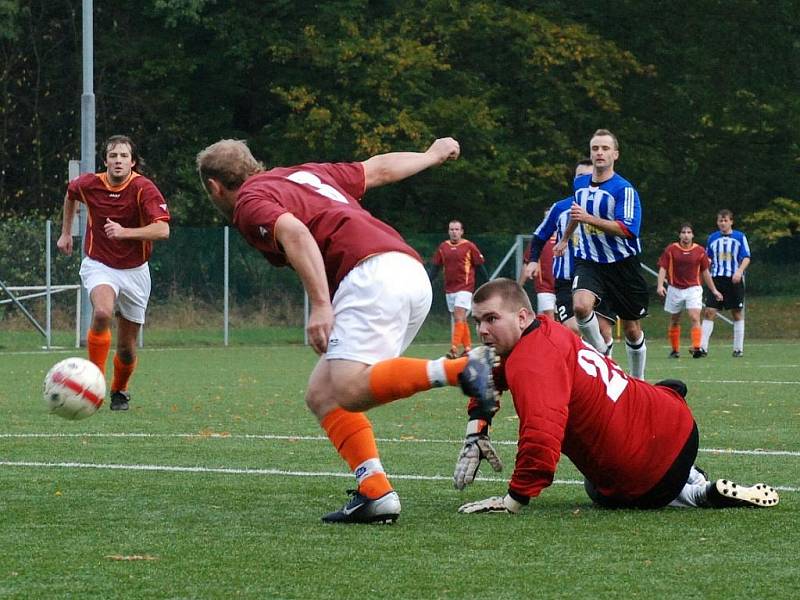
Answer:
(732, 294)
(620, 284)
(564, 303)
(662, 493)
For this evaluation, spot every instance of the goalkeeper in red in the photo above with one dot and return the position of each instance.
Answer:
(634, 442)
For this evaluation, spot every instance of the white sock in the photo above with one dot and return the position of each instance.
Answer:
(590, 330)
(368, 468)
(693, 494)
(708, 329)
(637, 356)
(738, 335)
(436, 373)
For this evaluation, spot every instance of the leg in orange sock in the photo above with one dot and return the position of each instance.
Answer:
(98, 345)
(675, 337)
(122, 373)
(466, 340)
(697, 334)
(352, 436)
(402, 377)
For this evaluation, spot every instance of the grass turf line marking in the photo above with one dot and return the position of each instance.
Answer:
(280, 472)
(322, 438)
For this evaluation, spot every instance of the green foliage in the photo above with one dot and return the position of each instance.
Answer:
(779, 219)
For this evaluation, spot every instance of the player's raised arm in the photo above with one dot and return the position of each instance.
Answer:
(382, 169)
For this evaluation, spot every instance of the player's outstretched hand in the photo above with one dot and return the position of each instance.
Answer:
(501, 504)
(477, 447)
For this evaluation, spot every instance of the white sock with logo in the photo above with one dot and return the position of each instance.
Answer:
(738, 335)
(708, 329)
(368, 468)
(637, 356)
(590, 330)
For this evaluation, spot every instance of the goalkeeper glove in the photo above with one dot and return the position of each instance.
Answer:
(502, 504)
(477, 447)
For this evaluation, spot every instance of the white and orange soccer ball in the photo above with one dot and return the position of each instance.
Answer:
(74, 389)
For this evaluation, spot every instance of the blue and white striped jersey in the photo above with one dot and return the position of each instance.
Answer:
(555, 221)
(613, 200)
(726, 252)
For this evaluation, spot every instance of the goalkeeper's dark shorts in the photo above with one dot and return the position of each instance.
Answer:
(662, 493)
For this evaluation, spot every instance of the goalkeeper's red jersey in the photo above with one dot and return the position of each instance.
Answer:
(326, 198)
(622, 433)
(459, 260)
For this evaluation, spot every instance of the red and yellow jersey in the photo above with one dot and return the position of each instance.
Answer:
(622, 433)
(459, 260)
(325, 197)
(684, 265)
(135, 203)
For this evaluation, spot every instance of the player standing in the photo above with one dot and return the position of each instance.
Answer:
(729, 253)
(459, 257)
(126, 214)
(682, 264)
(368, 290)
(635, 443)
(554, 224)
(608, 215)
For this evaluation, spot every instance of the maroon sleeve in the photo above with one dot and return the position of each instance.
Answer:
(437, 256)
(74, 186)
(152, 202)
(477, 257)
(663, 260)
(705, 264)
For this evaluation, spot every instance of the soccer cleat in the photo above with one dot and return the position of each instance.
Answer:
(119, 400)
(724, 493)
(361, 509)
(674, 354)
(476, 379)
(699, 353)
(737, 354)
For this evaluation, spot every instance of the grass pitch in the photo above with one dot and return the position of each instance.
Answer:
(213, 484)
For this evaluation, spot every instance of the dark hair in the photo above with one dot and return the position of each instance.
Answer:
(685, 225)
(724, 212)
(138, 161)
(584, 162)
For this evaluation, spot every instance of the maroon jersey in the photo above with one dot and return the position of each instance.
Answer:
(622, 433)
(325, 197)
(459, 261)
(684, 265)
(546, 281)
(135, 203)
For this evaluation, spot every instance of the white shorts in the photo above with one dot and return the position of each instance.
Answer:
(379, 308)
(459, 300)
(545, 301)
(131, 286)
(678, 299)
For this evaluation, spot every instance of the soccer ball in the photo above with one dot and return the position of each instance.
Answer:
(74, 389)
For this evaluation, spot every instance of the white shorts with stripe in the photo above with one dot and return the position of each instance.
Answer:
(378, 308)
(131, 286)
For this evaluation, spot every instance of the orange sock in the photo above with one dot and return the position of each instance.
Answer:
(466, 340)
(402, 377)
(675, 337)
(697, 334)
(351, 434)
(122, 374)
(455, 336)
(98, 345)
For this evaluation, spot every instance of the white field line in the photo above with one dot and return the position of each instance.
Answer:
(278, 472)
(322, 438)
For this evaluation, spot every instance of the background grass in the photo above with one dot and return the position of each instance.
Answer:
(251, 529)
